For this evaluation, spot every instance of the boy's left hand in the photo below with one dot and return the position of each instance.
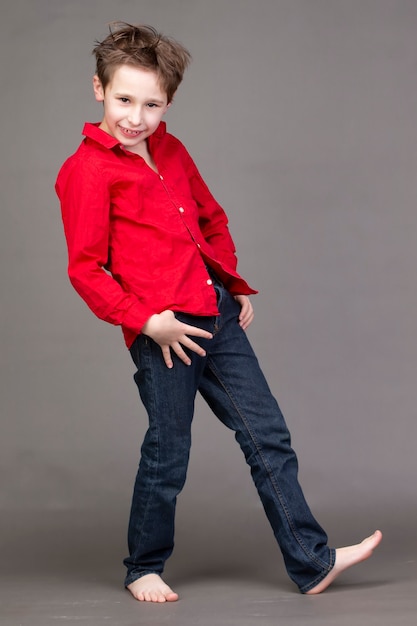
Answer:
(246, 313)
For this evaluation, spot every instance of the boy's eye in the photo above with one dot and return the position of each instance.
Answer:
(124, 100)
(152, 105)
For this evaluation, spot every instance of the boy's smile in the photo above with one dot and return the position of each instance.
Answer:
(134, 104)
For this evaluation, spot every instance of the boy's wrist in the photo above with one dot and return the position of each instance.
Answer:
(148, 323)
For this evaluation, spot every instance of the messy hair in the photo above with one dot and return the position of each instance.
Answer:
(141, 46)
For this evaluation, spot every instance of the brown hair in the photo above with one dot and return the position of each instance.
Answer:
(141, 46)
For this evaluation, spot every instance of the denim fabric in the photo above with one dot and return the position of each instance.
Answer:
(230, 380)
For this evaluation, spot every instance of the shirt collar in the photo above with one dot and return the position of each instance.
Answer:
(92, 131)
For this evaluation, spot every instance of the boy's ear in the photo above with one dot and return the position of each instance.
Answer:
(98, 89)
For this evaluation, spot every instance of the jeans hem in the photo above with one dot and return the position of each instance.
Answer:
(332, 559)
(136, 575)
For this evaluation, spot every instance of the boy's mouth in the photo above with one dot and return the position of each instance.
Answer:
(130, 133)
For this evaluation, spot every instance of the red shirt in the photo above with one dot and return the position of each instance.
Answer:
(138, 241)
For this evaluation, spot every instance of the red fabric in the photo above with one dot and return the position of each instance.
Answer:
(139, 242)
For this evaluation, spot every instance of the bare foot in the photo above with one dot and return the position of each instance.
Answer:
(346, 557)
(151, 588)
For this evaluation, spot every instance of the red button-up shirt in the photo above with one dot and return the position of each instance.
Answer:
(139, 242)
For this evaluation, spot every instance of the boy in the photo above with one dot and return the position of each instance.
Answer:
(149, 249)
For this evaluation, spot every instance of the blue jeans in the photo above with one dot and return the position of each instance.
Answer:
(231, 381)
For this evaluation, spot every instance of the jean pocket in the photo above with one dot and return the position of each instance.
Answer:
(137, 349)
(186, 318)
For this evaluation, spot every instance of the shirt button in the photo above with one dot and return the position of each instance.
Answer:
(181, 210)
(198, 245)
(161, 177)
(209, 282)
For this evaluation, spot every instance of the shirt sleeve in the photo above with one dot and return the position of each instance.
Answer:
(85, 204)
(213, 220)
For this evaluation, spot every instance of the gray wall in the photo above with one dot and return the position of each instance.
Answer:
(301, 115)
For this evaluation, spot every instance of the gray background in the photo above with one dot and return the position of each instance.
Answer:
(301, 115)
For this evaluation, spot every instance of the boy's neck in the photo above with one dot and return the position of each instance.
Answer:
(143, 150)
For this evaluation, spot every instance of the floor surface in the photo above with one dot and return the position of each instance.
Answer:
(48, 577)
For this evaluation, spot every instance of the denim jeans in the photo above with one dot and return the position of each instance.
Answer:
(231, 381)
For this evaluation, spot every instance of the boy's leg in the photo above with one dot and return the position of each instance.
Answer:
(236, 390)
(168, 396)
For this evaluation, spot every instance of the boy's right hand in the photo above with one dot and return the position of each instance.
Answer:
(169, 333)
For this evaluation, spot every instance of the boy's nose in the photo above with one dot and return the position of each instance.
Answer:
(135, 117)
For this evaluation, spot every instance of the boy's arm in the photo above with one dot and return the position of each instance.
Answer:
(85, 205)
(214, 226)
(212, 218)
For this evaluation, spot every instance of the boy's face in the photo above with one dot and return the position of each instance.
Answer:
(134, 105)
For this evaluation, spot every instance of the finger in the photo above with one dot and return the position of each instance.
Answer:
(192, 345)
(244, 325)
(247, 307)
(166, 353)
(245, 311)
(180, 353)
(194, 331)
(247, 319)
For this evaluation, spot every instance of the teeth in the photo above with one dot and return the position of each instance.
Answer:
(131, 132)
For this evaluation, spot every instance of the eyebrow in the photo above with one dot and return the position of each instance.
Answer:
(126, 95)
